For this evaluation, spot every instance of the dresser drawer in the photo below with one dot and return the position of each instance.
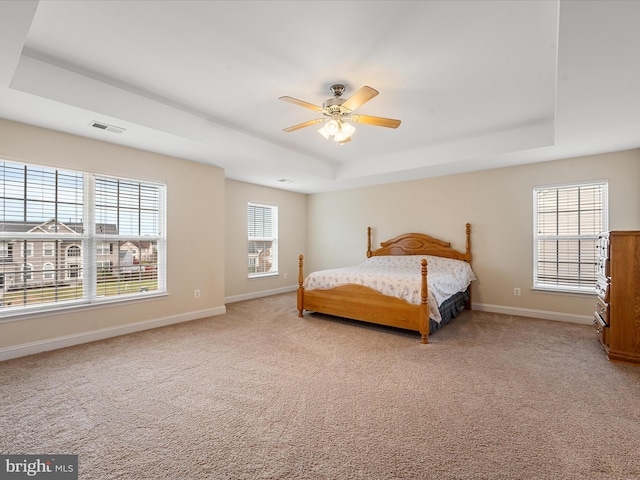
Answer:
(602, 310)
(603, 246)
(603, 267)
(602, 330)
(602, 289)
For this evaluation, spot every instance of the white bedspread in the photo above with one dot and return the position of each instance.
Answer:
(399, 276)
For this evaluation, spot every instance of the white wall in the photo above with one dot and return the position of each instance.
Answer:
(292, 238)
(195, 242)
(498, 204)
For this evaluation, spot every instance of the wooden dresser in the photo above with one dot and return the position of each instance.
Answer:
(617, 315)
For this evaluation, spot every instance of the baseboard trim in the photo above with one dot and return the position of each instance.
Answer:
(15, 351)
(530, 312)
(262, 293)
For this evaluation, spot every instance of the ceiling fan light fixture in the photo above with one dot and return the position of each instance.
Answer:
(323, 131)
(337, 129)
(332, 127)
(346, 130)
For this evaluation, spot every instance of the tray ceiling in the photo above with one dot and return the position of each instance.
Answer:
(477, 84)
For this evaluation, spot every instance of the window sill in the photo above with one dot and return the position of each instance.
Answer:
(558, 291)
(264, 275)
(78, 307)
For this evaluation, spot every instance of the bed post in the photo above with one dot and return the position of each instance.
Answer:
(469, 242)
(368, 242)
(468, 304)
(300, 287)
(424, 307)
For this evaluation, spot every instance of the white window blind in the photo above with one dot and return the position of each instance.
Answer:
(128, 229)
(54, 226)
(262, 228)
(567, 222)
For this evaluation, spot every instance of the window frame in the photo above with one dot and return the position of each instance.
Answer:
(100, 248)
(26, 250)
(48, 246)
(82, 242)
(581, 285)
(73, 248)
(254, 258)
(48, 271)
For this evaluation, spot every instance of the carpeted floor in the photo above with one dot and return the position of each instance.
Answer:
(261, 394)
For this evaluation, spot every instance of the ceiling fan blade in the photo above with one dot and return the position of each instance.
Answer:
(359, 98)
(302, 125)
(295, 101)
(378, 121)
(348, 139)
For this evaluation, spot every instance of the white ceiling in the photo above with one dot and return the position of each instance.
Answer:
(477, 84)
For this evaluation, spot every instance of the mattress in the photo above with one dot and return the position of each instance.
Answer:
(400, 276)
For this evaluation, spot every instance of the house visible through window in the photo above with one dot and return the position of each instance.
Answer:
(262, 227)
(49, 220)
(567, 222)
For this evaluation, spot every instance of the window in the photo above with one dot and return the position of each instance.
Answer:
(71, 226)
(47, 271)
(27, 268)
(74, 271)
(104, 248)
(27, 249)
(47, 249)
(262, 227)
(128, 214)
(567, 222)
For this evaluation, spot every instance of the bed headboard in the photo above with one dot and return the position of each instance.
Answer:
(420, 244)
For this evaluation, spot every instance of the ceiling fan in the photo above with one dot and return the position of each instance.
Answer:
(338, 112)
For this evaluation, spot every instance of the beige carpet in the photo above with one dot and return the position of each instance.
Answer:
(261, 394)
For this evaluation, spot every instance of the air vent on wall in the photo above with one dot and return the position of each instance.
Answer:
(107, 127)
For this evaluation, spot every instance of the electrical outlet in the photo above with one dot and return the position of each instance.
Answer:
(196, 293)
(516, 291)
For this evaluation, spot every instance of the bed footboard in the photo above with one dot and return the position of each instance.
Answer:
(358, 302)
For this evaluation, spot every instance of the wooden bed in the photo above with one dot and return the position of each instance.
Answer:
(359, 302)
